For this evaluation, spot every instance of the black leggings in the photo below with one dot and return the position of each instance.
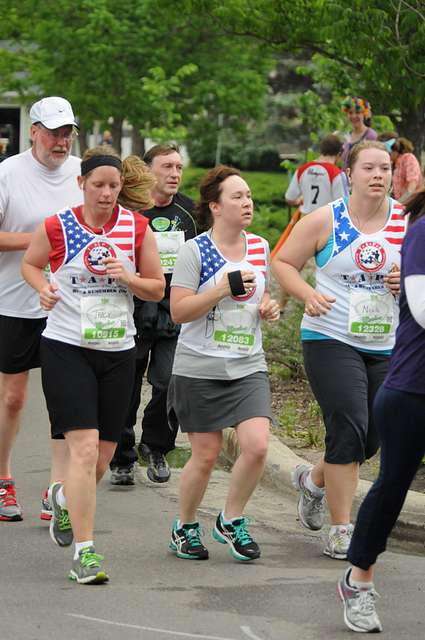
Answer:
(344, 382)
(400, 419)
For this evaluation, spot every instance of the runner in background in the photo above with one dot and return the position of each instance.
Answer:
(171, 220)
(100, 255)
(407, 175)
(359, 113)
(320, 181)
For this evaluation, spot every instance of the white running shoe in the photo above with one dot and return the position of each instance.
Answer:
(359, 607)
(311, 508)
(338, 541)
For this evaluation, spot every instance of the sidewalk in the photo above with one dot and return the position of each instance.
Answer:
(409, 531)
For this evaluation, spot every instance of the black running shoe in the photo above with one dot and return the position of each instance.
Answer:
(235, 534)
(158, 469)
(122, 476)
(186, 542)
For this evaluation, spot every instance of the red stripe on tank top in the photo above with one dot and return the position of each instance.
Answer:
(394, 229)
(124, 247)
(253, 240)
(255, 251)
(119, 234)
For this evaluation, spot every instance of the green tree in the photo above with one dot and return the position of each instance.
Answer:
(374, 47)
(151, 62)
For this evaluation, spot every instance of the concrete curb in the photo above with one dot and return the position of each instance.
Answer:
(410, 527)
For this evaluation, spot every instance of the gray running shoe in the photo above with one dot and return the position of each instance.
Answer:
(10, 510)
(60, 524)
(122, 476)
(338, 542)
(158, 469)
(359, 607)
(88, 568)
(311, 508)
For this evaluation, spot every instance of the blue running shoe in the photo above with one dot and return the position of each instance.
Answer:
(235, 534)
(186, 542)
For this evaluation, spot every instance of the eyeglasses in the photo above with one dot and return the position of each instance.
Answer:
(58, 134)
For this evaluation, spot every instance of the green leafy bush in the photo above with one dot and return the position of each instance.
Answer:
(271, 214)
(269, 223)
(268, 188)
(282, 344)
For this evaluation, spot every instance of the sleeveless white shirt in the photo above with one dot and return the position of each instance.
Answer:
(94, 310)
(365, 313)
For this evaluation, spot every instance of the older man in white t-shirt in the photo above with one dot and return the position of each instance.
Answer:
(33, 185)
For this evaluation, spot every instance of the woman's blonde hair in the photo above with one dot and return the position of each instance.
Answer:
(138, 182)
(362, 146)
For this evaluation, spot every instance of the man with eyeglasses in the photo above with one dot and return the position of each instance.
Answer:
(33, 185)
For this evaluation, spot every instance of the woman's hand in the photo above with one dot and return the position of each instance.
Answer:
(48, 296)
(269, 310)
(318, 304)
(392, 280)
(248, 279)
(115, 269)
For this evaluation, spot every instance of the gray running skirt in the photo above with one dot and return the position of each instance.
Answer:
(202, 406)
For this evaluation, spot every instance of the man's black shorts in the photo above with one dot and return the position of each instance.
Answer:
(20, 343)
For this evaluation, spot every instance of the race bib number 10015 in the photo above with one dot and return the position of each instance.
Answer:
(103, 321)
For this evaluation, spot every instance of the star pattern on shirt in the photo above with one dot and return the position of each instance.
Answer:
(211, 261)
(76, 238)
(345, 232)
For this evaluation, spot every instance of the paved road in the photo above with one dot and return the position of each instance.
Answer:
(289, 593)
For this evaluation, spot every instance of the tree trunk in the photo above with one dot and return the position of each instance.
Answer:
(116, 130)
(412, 126)
(82, 138)
(137, 142)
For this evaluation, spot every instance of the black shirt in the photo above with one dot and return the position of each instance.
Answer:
(176, 216)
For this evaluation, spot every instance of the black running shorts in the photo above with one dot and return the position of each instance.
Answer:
(86, 388)
(20, 343)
